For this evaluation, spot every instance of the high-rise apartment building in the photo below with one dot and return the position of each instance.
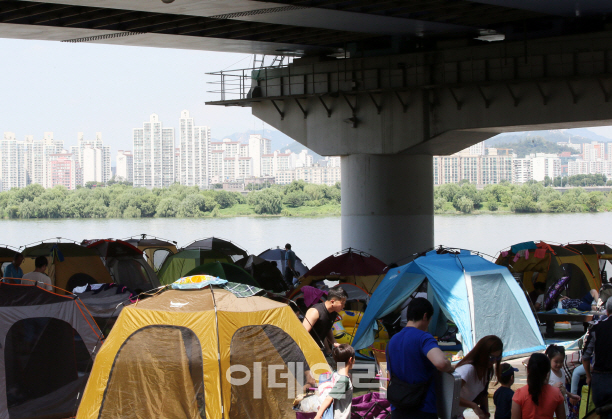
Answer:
(584, 167)
(93, 158)
(478, 170)
(177, 165)
(593, 151)
(195, 152)
(477, 149)
(61, 170)
(125, 166)
(153, 154)
(334, 161)
(258, 146)
(38, 153)
(495, 169)
(544, 165)
(304, 159)
(320, 175)
(522, 170)
(13, 168)
(277, 161)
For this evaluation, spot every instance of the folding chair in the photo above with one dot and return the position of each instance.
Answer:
(382, 375)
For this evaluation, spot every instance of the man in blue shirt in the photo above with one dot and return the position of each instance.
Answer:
(289, 265)
(13, 270)
(413, 356)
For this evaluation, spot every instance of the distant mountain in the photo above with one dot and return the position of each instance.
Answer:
(279, 140)
(576, 135)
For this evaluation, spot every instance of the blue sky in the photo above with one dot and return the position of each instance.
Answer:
(67, 88)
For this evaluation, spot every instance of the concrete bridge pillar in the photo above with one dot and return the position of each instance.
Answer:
(387, 204)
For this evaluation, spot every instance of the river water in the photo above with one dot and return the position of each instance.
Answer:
(313, 239)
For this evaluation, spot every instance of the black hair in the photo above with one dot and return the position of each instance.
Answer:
(288, 246)
(419, 307)
(538, 369)
(554, 350)
(17, 256)
(41, 261)
(337, 293)
(505, 379)
(539, 286)
(343, 352)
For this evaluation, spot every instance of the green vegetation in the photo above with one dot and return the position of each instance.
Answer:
(528, 198)
(121, 200)
(534, 145)
(298, 199)
(578, 180)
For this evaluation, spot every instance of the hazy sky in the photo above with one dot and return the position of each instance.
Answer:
(67, 88)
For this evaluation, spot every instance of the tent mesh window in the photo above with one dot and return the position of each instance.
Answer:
(42, 356)
(133, 275)
(277, 368)
(157, 373)
(159, 256)
(493, 296)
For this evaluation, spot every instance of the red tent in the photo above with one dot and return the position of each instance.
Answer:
(351, 266)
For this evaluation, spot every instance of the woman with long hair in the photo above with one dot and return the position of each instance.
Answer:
(476, 370)
(538, 399)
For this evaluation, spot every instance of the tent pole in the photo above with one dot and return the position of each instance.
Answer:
(218, 351)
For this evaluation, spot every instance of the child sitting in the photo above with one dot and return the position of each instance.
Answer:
(341, 394)
(503, 395)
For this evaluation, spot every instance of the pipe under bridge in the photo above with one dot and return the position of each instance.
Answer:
(388, 115)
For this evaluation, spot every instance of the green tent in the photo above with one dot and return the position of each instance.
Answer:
(223, 270)
(177, 265)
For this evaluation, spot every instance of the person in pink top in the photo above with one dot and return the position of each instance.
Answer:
(538, 399)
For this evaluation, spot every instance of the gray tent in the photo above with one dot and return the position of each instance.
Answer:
(48, 342)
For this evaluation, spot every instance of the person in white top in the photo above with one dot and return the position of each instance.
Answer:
(39, 275)
(557, 378)
(476, 370)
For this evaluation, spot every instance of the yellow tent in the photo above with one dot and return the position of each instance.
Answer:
(595, 254)
(550, 262)
(155, 249)
(70, 264)
(173, 355)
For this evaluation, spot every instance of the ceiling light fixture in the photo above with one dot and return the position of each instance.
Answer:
(489, 35)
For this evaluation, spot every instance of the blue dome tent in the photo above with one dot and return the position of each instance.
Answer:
(482, 298)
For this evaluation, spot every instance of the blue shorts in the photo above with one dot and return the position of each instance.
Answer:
(585, 302)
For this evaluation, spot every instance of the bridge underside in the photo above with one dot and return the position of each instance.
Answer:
(384, 83)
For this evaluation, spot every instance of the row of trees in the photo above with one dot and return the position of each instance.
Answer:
(124, 201)
(527, 198)
(578, 180)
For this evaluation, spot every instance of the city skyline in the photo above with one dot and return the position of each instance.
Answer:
(105, 88)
